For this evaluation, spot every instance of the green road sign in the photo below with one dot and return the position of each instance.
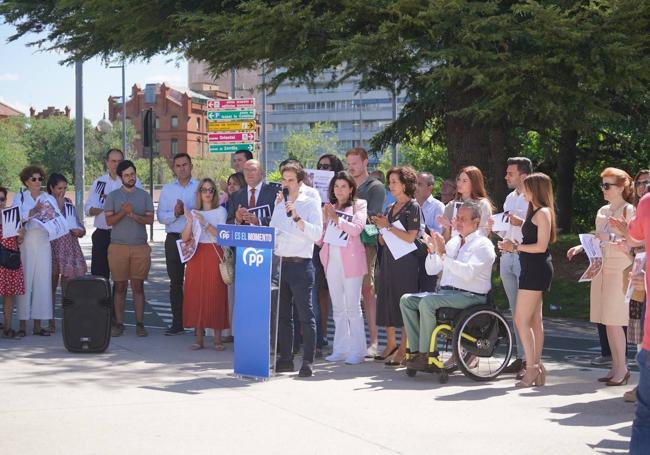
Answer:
(231, 148)
(246, 114)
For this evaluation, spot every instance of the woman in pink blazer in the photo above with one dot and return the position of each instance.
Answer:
(344, 260)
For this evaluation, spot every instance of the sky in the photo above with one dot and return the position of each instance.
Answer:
(33, 78)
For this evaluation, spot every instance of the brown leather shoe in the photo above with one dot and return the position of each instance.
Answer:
(418, 362)
(515, 367)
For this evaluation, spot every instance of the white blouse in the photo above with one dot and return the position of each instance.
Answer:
(213, 218)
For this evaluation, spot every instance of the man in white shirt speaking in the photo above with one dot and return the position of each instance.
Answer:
(298, 221)
(466, 263)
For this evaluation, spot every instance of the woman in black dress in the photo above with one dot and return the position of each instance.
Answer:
(536, 272)
(397, 276)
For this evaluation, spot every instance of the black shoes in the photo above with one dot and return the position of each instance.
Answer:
(284, 366)
(171, 331)
(306, 370)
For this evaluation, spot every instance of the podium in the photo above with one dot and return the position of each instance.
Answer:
(252, 309)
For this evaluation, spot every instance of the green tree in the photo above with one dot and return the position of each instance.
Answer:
(307, 145)
(12, 152)
(50, 143)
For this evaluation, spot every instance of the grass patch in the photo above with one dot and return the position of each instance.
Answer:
(569, 298)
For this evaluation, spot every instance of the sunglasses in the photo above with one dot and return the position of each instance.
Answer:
(606, 186)
(207, 190)
(323, 167)
(642, 182)
(36, 179)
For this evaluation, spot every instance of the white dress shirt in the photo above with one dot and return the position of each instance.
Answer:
(25, 203)
(290, 240)
(515, 204)
(168, 196)
(467, 267)
(310, 192)
(101, 188)
(430, 209)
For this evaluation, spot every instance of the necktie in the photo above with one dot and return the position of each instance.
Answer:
(251, 202)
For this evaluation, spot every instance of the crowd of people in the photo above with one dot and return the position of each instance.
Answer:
(450, 265)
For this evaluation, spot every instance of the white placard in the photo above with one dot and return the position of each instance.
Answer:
(187, 249)
(334, 235)
(397, 246)
(51, 220)
(70, 214)
(591, 245)
(10, 222)
(263, 211)
(320, 181)
(501, 222)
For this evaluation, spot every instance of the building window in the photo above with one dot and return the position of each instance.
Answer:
(174, 121)
(174, 146)
(198, 124)
(157, 122)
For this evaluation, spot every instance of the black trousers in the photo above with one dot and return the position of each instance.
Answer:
(605, 350)
(99, 259)
(296, 283)
(176, 273)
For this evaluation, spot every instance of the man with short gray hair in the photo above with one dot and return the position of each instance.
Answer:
(466, 264)
(430, 209)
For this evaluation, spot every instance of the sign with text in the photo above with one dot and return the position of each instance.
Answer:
(238, 136)
(231, 126)
(246, 236)
(246, 114)
(230, 148)
(241, 103)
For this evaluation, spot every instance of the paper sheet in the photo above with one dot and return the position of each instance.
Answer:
(334, 235)
(10, 222)
(591, 245)
(501, 222)
(397, 246)
(70, 216)
(187, 249)
(320, 180)
(50, 220)
(637, 268)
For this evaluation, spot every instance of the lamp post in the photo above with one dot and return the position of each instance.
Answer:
(123, 105)
(79, 141)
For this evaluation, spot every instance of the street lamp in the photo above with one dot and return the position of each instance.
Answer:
(123, 106)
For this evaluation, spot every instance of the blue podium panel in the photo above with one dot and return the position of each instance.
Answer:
(252, 318)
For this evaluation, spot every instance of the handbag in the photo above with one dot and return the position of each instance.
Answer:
(369, 235)
(422, 249)
(226, 264)
(9, 259)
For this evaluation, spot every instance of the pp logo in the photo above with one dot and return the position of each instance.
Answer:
(253, 257)
(225, 235)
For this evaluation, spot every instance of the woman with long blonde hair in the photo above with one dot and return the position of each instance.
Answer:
(536, 272)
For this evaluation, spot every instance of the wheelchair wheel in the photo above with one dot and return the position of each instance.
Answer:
(482, 344)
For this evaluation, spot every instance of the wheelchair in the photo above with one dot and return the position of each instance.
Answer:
(477, 340)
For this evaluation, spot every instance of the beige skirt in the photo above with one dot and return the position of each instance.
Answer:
(607, 298)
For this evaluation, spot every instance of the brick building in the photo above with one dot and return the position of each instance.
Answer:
(51, 111)
(7, 111)
(181, 116)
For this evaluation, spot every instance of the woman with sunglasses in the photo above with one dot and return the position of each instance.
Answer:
(67, 258)
(36, 303)
(607, 296)
(12, 282)
(205, 294)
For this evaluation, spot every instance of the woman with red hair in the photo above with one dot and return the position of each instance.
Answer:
(607, 296)
(470, 186)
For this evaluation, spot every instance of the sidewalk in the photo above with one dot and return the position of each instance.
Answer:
(156, 395)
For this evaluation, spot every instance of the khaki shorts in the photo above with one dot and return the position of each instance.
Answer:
(371, 260)
(129, 262)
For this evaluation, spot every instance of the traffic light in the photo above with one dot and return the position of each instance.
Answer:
(148, 129)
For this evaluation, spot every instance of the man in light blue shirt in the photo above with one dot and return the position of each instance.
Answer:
(430, 209)
(175, 198)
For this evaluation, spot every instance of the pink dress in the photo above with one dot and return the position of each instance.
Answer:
(67, 258)
(12, 282)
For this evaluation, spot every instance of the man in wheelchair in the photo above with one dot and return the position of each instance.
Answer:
(466, 264)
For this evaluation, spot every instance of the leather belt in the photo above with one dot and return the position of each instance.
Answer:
(295, 260)
(451, 288)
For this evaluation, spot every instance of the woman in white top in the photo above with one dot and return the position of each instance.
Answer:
(205, 297)
(35, 252)
(470, 186)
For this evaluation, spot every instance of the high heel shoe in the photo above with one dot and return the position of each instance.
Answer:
(541, 379)
(621, 382)
(381, 358)
(605, 379)
(531, 382)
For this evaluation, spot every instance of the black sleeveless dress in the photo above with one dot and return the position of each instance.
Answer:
(536, 268)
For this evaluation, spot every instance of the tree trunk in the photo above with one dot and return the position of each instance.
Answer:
(566, 165)
(482, 146)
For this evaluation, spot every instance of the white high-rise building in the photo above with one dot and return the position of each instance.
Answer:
(355, 116)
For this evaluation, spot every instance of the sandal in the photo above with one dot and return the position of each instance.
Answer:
(9, 333)
(196, 346)
(41, 333)
(219, 347)
(21, 334)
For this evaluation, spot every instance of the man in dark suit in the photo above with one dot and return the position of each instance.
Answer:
(253, 204)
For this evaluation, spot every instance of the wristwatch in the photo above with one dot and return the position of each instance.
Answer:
(297, 218)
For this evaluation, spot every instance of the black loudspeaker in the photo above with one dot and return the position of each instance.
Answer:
(87, 314)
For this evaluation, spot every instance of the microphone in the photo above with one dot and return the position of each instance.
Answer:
(285, 193)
